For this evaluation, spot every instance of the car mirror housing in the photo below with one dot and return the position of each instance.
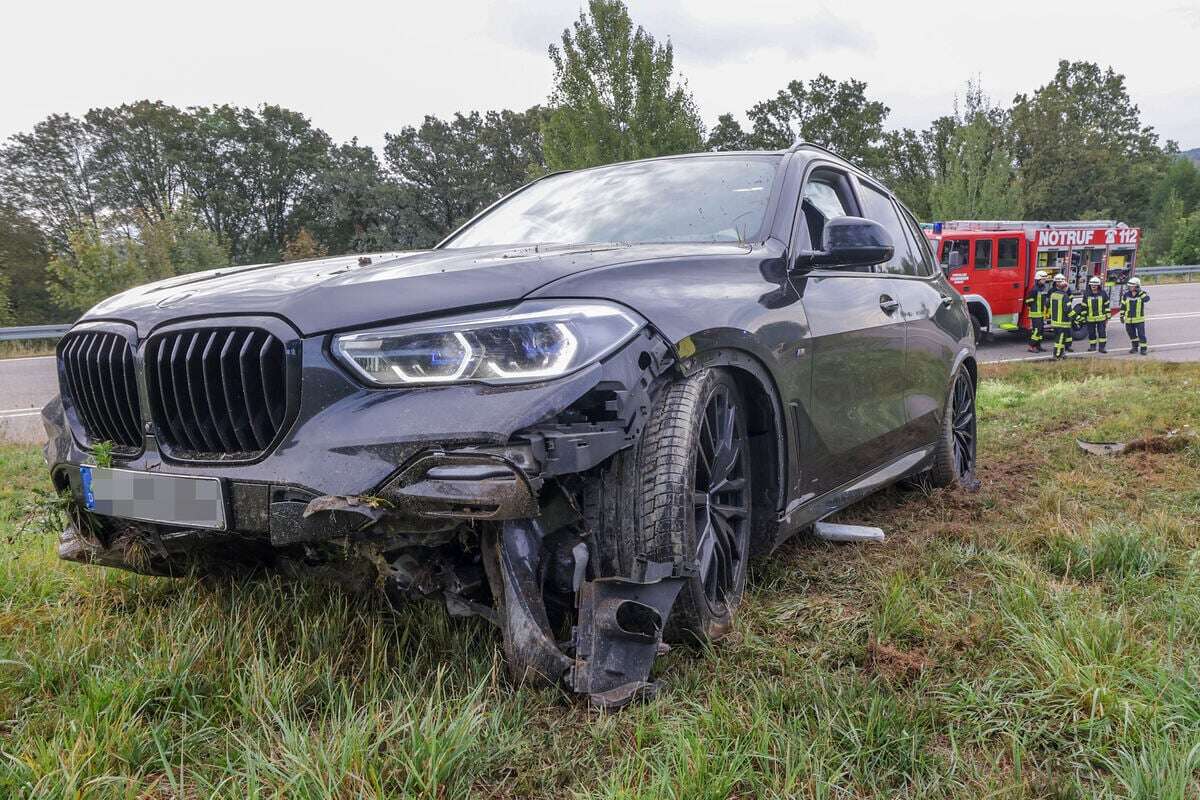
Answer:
(849, 242)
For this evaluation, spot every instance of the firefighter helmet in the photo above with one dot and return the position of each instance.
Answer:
(1094, 280)
(1135, 281)
(1042, 275)
(1060, 278)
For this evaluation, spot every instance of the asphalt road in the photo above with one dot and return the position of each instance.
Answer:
(26, 384)
(1173, 327)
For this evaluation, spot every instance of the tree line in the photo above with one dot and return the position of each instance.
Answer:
(94, 204)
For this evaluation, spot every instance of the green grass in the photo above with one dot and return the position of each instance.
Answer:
(1040, 638)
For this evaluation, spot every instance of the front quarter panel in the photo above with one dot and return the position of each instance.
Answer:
(744, 303)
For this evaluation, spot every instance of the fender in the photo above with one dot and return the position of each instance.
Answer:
(980, 300)
(964, 355)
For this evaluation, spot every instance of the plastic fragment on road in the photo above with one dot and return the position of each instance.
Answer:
(835, 532)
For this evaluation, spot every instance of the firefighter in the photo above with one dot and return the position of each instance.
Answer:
(1133, 314)
(1095, 314)
(1035, 301)
(1060, 313)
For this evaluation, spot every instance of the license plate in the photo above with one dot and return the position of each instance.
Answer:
(150, 497)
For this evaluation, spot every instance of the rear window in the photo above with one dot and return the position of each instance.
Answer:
(878, 206)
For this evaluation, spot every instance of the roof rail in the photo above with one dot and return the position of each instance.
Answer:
(801, 144)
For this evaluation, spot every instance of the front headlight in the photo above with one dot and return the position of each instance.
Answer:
(537, 340)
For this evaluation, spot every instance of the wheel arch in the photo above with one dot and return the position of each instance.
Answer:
(980, 308)
(767, 426)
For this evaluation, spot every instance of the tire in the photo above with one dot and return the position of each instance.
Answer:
(954, 455)
(981, 336)
(651, 500)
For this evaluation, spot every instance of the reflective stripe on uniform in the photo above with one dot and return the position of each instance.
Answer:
(1060, 311)
(1133, 307)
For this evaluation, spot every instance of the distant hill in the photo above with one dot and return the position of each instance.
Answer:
(1193, 154)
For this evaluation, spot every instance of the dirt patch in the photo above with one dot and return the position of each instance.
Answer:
(893, 664)
(1159, 444)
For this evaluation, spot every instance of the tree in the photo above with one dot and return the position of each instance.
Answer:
(909, 169)
(353, 206)
(616, 96)
(727, 135)
(212, 145)
(247, 170)
(978, 179)
(1081, 149)
(1185, 248)
(48, 174)
(136, 154)
(6, 312)
(103, 261)
(450, 169)
(283, 153)
(833, 114)
(302, 246)
(23, 257)
(1160, 238)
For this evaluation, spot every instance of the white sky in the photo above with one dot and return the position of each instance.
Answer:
(360, 68)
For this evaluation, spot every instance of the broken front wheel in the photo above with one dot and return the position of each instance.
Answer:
(682, 496)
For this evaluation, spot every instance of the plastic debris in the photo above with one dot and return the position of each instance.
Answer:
(835, 532)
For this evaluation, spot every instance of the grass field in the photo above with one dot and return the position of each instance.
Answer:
(1040, 638)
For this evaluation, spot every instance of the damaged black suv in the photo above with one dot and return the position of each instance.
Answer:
(578, 416)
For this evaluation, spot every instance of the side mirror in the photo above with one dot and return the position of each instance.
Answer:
(955, 259)
(850, 242)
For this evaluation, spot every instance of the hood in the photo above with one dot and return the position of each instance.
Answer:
(327, 294)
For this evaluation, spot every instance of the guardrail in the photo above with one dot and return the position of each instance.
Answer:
(1194, 268)
(22, 332)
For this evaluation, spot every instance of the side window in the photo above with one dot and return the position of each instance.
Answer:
(983, 253)
(1008, 252)
(820, 202)
(960, 246)
(822, 194)
(926, 265)
(878, 206)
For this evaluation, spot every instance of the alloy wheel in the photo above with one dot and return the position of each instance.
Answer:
(721, 499)
(963, 427)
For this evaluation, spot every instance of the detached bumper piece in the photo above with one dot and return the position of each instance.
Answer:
(618, 636)
(618, 632)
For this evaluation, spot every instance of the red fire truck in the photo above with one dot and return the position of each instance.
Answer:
(992, 263)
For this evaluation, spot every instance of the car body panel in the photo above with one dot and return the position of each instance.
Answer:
(338, 294)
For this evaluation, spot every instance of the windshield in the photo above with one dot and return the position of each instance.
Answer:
(698, 199)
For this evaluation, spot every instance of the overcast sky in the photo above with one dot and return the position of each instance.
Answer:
(362, 68)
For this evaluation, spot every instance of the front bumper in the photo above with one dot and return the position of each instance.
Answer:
(436, 453)
(464, 493)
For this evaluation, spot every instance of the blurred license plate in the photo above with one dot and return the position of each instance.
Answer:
(148, 496)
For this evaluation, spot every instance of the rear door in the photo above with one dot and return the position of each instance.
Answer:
(858, 346)
(925, 301)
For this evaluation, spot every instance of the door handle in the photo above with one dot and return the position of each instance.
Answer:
(888, 304)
